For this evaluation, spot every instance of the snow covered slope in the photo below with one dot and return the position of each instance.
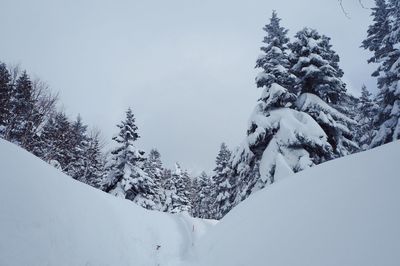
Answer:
(343, 212)
(47, 218)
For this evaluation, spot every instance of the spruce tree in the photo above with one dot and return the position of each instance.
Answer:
(366, 111)
(275, 66)
(316, 66)
(5, 98)
(321, 89)
(95, 161)
(377, 32)
(80, 145)
(177, 190)
(21, 128)
(57, 142)
(388, 73)
(274, 61)
(222, 183)
(203, 200)
(128, 180)
(195, 198)
(154, 169)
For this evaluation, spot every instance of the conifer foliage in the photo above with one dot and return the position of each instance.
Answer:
(128, 180)
(5, 97)
(222, 183)
(384, 41)
(316, 66)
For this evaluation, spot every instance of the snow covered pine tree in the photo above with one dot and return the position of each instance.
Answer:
(5, 98)
(177, 191)
(280, 140)
(223, 183)
(127, 179)
(384, 41)
(321, 89)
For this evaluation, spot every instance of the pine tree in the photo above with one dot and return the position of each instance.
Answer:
(275, 66)
(222, 183)
(316, 66)
(80, 145)
(95, 161)
(21, 128)
(274, 61)
(377, 33)
(203, 200)
(168, 190)
(195, 198)
(57, 142)
(177, 190)
(153, 166)
(388, 73)
(280, 139)
(128, 180)
(366, 111)
(5, 97)
(154, 169)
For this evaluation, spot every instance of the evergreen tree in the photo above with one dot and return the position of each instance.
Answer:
(319, 82)
(275, 66)
(203, 202)
(177, 189)
(388, 73)
(281, 140)
(153, 166)
(95, 161)
(154, 169)
(366, 111)
(377, 33)
(128, 180)
(57, 142)
(168, 190)
(316, 66)
(21, 128)
(274, 61)
(222, 183)
(80, 145)
(5, 97)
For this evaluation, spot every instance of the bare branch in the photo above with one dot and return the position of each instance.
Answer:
(362, 4)
(343, 9)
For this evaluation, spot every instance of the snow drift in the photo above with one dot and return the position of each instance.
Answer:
(343, 212)
(47, 218)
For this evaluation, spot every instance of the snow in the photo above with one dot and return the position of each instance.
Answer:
(47, 218)
(311, 101)
(288, 125)
(343, 212)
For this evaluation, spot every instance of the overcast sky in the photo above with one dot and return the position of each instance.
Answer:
(186, 67)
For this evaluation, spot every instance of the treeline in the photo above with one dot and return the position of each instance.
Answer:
(303, 117)
(29, 118)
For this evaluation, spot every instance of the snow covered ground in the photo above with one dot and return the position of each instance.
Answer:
(47, 218)
(344, 212)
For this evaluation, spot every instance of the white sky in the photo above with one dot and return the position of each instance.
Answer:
(186, 67)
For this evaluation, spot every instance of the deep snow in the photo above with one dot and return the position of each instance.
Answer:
(343, 212)
(47, 218)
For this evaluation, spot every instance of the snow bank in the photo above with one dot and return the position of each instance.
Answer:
(343, 212)
(47, 218)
